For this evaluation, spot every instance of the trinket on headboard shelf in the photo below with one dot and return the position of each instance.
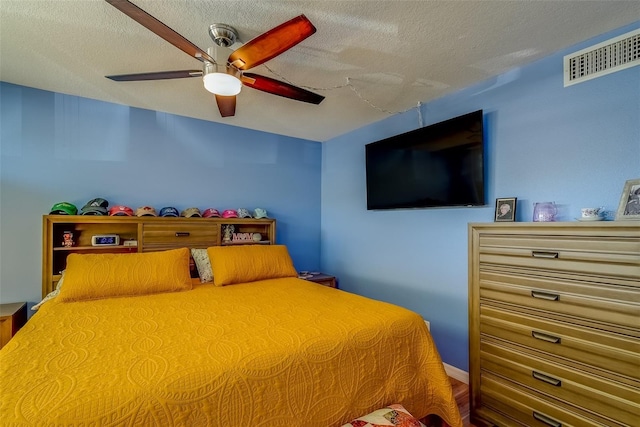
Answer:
(67, 239)
(227, 232)
(246, 237)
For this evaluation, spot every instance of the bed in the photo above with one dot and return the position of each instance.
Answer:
(274, 350)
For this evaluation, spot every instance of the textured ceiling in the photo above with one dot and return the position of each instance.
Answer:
(368, 58)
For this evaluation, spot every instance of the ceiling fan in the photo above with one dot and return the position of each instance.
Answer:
(224, 77)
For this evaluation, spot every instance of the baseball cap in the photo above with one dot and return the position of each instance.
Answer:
(95, 207)
(97, 202)
(211, 213)
(260, 213)
(169, 211)
(63, 208)
(121, 210)
(229, 213)
(191, 212)
(94, 210)
(146, 211)
(243, 213)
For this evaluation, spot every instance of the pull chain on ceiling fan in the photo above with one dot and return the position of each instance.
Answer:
(225, 77)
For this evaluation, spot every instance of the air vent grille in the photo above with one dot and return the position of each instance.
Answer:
(604, 58)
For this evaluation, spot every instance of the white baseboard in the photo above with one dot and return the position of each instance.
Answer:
(457, 373)
(452, 371)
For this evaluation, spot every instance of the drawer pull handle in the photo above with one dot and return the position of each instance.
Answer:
(542, 254)
(545, 296)
(182, 234)
(545, 337)
(546, 378)
(547, 420)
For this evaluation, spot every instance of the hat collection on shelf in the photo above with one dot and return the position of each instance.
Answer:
(100, 206)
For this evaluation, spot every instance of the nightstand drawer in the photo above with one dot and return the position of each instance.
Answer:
(189, 234)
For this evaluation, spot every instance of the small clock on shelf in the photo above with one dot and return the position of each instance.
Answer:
(105, 240)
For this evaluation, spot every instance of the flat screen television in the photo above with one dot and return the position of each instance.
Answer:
(435, 166)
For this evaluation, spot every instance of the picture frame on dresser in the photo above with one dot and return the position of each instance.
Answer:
(505, 209)
(629, 206)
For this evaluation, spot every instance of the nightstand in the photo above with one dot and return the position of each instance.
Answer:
(322, 279)
(12, 317)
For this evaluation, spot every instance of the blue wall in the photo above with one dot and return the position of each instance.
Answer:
(576, 146)
(57, 147)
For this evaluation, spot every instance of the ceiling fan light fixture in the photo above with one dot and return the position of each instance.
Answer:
(222, 84)
(222, 79)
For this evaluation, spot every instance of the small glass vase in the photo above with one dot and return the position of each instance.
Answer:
(544, 212)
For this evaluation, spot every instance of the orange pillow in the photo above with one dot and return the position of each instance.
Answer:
(95, 276)
(249, 263)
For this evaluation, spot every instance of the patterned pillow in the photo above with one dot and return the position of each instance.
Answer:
(392, 415)
(201, 258)
(50, 295)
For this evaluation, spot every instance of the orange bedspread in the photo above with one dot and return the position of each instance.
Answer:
(281, 352)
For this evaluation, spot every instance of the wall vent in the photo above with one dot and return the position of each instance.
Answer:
(603, 58)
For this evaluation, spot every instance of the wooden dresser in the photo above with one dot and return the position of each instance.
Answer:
(554, 324)
(150, 234)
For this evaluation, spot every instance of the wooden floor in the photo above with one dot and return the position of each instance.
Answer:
(461, 393)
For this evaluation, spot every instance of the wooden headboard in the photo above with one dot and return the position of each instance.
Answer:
(142, 234)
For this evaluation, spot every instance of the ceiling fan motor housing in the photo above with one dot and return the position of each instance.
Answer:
(223, 35)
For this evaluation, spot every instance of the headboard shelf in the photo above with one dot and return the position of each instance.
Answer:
(150, 233)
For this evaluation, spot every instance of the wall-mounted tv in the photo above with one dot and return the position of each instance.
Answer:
(434, 166)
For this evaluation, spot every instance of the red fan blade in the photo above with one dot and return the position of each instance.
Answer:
(157, 27)
(161, 75)
(272, 43)
(276, 87)
(226, 105)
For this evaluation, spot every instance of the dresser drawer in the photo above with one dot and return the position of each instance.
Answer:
(528, 409)
(615, 243)
(608, 398)
(602, 303)
(564, 342)
(190, 234)
(600, 256)
(626, 266)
